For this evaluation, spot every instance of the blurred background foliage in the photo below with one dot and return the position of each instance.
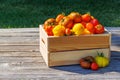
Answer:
(31, 13)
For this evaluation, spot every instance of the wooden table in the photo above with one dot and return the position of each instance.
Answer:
(20, 59)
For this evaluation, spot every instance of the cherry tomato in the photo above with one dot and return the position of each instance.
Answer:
(68, 31)
(99, 29)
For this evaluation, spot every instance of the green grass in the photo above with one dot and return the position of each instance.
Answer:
(31, 13)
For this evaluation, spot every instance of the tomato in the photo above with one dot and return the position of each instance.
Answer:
(90, 27)
(48, 26)
(94, 22)
(49, 22)
(101, 60)
(59, 30)
(99, 29)
(86, 17)
(49, 30)
(78, 29)
(67, 22)
(83, 23)
(75, 16)
(68, 31)
(59, 17)
(94, 66)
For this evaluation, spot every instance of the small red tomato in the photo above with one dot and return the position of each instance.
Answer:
(68, 31)
(99, 29)
(94, 22)
(90, 27)
(94, 66)
(86, 17)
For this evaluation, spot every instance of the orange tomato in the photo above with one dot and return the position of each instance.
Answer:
(49, 25)
(86, 17)
(49, 30)
(67, 22)
(90, 27)
(75, 16)
(59, 17)
(49, 22)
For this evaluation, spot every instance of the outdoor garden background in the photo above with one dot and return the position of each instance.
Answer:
(31, 13)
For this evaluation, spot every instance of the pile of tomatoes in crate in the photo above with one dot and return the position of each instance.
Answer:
(73, 24)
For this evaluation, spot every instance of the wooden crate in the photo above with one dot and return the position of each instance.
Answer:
(67, 50)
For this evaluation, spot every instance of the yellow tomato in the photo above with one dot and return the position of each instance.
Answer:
(59, 30)
(78, 29)
(101, 60)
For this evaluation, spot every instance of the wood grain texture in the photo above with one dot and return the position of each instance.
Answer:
(20, 59)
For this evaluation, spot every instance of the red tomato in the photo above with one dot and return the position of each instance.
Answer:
(86, 17)
(94, 22)
(68, 31)
(99, 29)
(90, 27)
(49, 30)
(83, 23)
(94, 66)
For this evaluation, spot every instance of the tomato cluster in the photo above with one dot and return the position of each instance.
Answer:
(91, 24)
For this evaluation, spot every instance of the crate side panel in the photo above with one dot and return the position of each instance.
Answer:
(73, 57)
(43, 44)
(78, 42)
(43, 37)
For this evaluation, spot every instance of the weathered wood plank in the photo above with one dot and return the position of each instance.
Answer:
(19, 48)
(13, 34)
(21, 30)
(19, 40)
(54, 76)
(19, 54)
(21, 59)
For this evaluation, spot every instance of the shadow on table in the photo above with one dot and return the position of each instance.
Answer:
(114, 66)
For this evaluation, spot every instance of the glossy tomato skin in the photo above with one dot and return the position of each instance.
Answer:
(94, 22)
(66, 22)
(86, 17)
(99, 29)
(94, 66)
